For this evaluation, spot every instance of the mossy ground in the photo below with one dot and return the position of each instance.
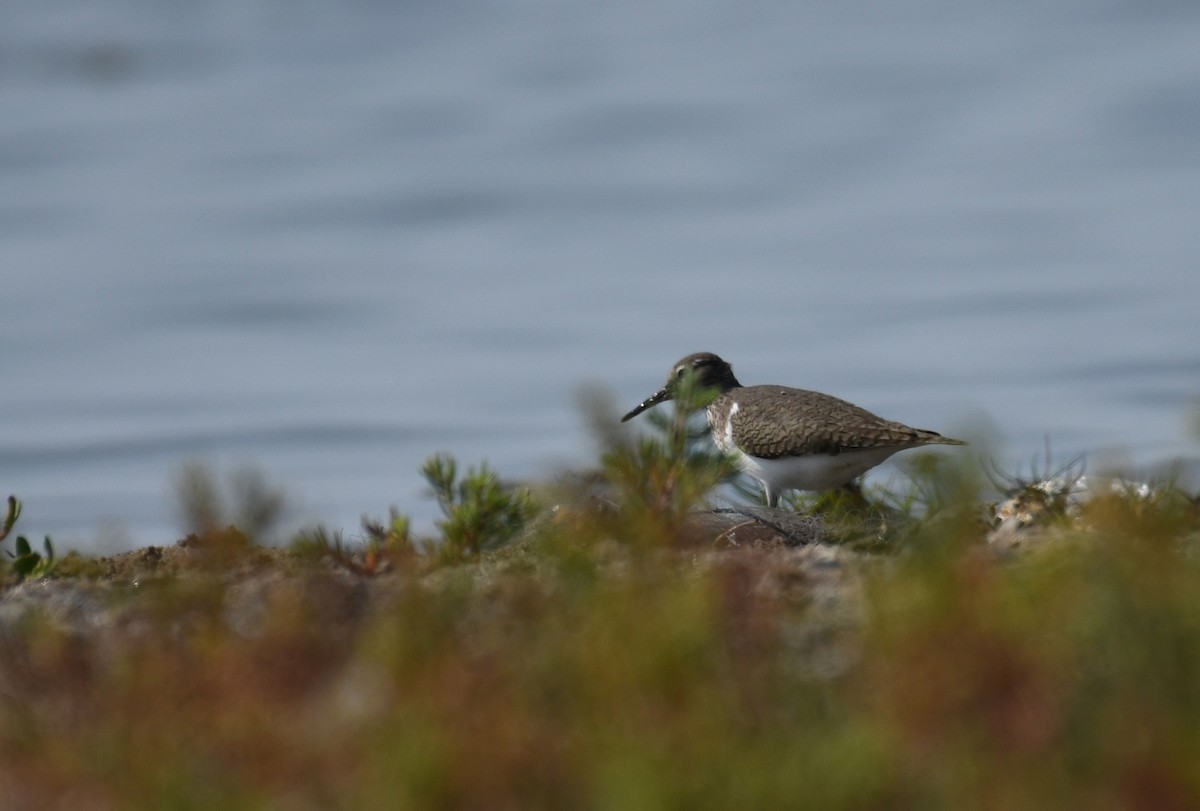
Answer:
(626, 649)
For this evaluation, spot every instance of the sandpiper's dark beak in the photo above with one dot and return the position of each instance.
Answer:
(653, 400)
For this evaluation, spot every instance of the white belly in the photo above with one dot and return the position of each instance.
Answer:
(815, 472)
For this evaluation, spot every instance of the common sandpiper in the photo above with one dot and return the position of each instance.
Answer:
(791, 439)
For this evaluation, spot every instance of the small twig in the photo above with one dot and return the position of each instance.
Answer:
(730, 532)
(790, 536)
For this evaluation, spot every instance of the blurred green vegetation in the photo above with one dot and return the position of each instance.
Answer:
(24, 561)
(597, 652)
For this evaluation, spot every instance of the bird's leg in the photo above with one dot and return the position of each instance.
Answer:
(772, 496)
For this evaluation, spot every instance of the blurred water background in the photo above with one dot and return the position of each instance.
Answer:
(330, 238)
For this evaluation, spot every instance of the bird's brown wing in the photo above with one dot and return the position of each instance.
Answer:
(775, 421)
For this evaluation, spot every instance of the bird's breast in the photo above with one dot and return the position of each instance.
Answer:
(720, 420)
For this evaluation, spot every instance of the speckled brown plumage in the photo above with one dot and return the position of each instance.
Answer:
(776, 421)
(772, 422)
(791, 439)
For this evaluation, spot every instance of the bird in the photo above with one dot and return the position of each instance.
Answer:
(787, 438)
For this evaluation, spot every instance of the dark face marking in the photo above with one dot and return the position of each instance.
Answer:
(708, 370)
